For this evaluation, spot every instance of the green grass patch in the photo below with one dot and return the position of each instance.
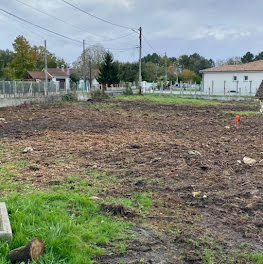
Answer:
(139, 201)
(8, 172)
(244, 113)
(100, 105)
(72, 227)
(209, 256)
(11, 169)
(253, 257)
(168, 99)
(90, 183)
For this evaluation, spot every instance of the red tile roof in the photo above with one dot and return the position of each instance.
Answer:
(36, 75)
(57, 72)
(251, 66)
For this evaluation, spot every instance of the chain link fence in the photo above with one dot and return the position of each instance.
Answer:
(29, 89)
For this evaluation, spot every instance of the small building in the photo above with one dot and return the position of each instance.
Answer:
(60, 75)
(36, 76)
(241, 79)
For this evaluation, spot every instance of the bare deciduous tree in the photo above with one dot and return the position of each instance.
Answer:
(90, 61)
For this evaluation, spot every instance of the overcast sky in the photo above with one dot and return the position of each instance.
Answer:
(215, 29)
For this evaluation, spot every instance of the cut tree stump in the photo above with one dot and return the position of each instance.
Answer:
(31, 251)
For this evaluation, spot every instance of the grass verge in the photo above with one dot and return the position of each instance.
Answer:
(72, 227)
(168, 99)
(243, 113)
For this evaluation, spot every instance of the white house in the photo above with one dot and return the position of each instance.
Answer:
(241, 79)
(60, 76)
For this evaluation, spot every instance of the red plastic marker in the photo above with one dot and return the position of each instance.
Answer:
(1, 125)
(238, 120)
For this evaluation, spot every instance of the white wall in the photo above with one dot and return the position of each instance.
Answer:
(67, 83)
(216, 80)
(81, 84)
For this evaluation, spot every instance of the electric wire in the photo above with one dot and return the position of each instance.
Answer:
(124, 49)
(31, 31)
(35, 25)
(150, 45)
(58, 19)
(99, 18)
(21, 21)
(66, 22)
(124, 36)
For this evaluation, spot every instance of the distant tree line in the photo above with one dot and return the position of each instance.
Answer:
(24, 57)
(248, 57)
(184, 68)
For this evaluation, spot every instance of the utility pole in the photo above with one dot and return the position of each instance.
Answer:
(156, 72)
(84, 66)
(165, 70)
(140, 62)
(46, 78)
(90, 73)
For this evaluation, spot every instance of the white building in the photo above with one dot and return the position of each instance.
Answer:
(60, 76)
(94, 74)
(241, 79)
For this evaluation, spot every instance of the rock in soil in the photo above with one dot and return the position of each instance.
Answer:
(28, 149)
(249, 161)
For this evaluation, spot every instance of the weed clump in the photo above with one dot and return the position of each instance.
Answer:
(128, 90)
(99, 94)
(69, 97)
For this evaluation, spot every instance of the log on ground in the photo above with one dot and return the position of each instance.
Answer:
(31, 251)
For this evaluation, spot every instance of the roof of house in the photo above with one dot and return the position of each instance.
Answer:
(57, 72)
(259, 93)
(36, 75)
(251, 66)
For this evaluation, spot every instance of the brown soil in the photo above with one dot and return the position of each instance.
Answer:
(206, 200)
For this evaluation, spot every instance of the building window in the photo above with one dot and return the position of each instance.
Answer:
(245, 78)
(234, 78)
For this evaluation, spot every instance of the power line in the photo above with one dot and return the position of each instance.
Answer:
(101, 19)
(21, 19)
(31, 31)
(35, 25)
(148, 42)
(123, 49)
(125, 36)
(56, 18)
(66, 22)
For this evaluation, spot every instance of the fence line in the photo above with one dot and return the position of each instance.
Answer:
(23, 89)
(28, 89)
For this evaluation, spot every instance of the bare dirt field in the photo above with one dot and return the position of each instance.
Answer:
(186, 158)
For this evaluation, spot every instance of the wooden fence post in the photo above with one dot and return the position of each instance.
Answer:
(14, 84)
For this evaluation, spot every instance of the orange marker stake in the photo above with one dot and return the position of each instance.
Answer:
(238, 120)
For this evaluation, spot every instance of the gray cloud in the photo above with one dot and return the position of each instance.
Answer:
(216, 29)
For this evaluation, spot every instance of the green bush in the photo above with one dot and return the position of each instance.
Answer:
(99, 94)
(128, 90)
(69, 97)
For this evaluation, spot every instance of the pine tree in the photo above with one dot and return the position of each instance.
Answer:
(108, 71)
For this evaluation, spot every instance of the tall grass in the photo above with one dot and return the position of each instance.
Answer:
(72, 226)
